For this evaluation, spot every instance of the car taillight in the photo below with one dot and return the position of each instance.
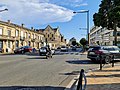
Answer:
(98, 52)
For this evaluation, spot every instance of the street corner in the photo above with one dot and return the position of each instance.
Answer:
(106, 79)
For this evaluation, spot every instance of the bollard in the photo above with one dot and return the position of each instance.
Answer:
(79, 86)
(113, 61)
(100, 62)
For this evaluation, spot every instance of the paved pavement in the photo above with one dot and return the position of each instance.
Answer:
(106, 79)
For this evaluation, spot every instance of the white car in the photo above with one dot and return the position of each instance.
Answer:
(64, 48)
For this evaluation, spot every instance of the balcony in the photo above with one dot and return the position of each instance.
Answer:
(6, 37)
(22, 38)
(33, 40)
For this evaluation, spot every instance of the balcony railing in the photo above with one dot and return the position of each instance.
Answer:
(22, 38)
(33, 40)
(6, 37)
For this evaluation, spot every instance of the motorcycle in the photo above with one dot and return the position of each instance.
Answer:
(44, 51)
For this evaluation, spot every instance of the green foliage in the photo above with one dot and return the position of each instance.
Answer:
(83, 41)
(108, 14)
(74, 43)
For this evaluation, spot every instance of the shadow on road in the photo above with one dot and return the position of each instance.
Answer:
(31, 88)
(70, 73)
(81, 62)
(37, 57)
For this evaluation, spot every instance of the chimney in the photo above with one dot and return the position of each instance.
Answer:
(22, 25)
(8, 21)
(32, 28)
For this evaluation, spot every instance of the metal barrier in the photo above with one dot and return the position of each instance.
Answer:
(102, 59)
(80, 86)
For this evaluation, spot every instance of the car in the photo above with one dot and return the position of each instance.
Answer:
(107, 52)
(45, 51)
(73, 48)
(23, 49)
(1, 50)
(64, 49)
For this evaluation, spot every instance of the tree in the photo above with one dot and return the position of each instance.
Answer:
(74, 43)
(83, 41)
(108, 16)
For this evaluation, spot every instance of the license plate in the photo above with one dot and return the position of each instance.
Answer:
(91, 53)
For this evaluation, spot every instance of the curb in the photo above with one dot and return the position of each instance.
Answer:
(6, 54)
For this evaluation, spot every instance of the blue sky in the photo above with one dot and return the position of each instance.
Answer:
(57, 13)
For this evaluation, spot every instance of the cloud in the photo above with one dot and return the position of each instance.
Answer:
(79, 5)
(70, 3)
(34, 12)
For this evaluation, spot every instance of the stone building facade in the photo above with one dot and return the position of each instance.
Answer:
(53, 37)
(13, 36)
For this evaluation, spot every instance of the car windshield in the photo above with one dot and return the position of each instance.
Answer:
(27, 47)
(111, 48)
(94, 48)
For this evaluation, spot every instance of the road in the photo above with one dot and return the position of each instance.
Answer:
(21, 71)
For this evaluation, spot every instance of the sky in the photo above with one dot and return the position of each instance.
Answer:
(57, 13)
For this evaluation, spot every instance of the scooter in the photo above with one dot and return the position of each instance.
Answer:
(48, 55)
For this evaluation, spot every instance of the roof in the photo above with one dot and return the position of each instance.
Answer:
(54, 29)
(15, 25)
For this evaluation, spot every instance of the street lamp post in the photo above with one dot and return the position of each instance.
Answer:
(85, 11)
(4, 10)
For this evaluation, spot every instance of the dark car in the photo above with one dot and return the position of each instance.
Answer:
(45, 51)
(23, 49)
(73, 48)
(107, 53)
(1, 50)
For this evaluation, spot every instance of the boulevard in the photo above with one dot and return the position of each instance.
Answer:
(36, 71)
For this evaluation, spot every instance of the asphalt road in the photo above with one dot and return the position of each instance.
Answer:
(32, 71)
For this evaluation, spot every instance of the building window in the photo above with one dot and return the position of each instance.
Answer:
(1, 44)
(29, 43)
(33, 36)
(1, 31)
(9, 33)
(29, 35)
(21, 33)
(52, 35)
(48, 35)
(9, 44)
(17, 43)
(17, 33)
(26, 35)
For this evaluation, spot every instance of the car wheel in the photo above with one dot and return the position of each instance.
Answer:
(22, 52)
(107, 59)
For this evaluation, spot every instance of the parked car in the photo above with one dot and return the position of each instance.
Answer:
(73, 48)
(107, 52)
(45, 51)
(23, 49)
(64, 48)
(1, 50)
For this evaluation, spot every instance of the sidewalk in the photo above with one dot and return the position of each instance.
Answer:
(7, 53)
(106, 79)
